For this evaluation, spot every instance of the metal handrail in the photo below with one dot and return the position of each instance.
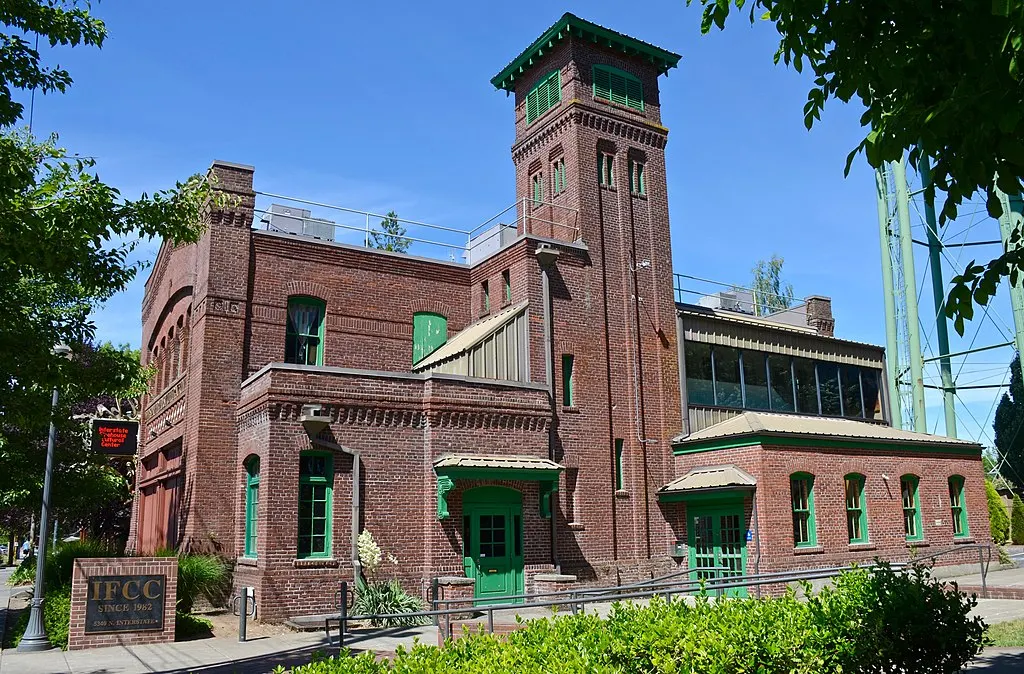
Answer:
(984, 560)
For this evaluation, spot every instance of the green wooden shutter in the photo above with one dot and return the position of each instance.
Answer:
(618, 87)
(602, 87)
(634, 94)
(429, 332)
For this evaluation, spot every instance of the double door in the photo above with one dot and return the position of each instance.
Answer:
(718, 545)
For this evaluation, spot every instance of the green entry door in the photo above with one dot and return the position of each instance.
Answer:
(494, 547)
(718, 544)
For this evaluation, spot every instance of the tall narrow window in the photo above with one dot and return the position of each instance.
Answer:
(755, 381)
(545, 95)
(853, 405)
(429, 331)
(537, 187)
(606, 169)
(558, 176)
(956, 505)
(780, 377)
(568, 380)
(252, 502)
(304, 336)
(856, 515)
(636, 178)
(728, 392)
(801, 489)
(828, 390)
(700, 384)
(486, 292)
(869, 387)
(911, 508)
(806, 388)
(506, 281)
(316, 486)
(618, 86)
(620, 478)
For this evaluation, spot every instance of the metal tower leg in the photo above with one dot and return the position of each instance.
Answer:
(1013, 214)
(939, 299)
(888, 295)
(910, 282)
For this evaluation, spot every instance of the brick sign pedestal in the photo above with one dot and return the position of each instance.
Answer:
(123, 601)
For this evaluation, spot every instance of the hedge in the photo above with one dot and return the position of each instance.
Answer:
(998, 520)
(1017, 521)
(881, 621)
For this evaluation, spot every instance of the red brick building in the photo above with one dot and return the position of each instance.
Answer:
(515, 417)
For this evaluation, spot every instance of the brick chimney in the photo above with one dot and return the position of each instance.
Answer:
(819, 315)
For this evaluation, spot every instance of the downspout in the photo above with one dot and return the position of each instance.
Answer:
(546, 258)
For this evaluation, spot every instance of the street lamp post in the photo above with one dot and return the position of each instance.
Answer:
(35, 638)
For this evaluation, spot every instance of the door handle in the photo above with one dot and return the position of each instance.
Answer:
(492, 571)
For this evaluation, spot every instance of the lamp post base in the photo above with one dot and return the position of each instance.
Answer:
(35, 639)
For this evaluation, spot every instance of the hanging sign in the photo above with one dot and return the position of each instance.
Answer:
(119, 437)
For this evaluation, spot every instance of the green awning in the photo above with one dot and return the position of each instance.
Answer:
(453, 467)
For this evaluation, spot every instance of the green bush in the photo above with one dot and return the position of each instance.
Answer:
(56, 618)
(880, 621)
(998, 520)
(387, 596)
(1017, 521)
(60, 562)
(199, 575)
(25, 572)
(188, 626)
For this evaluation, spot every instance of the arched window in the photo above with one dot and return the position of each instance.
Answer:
(801, 489)
(429, 331)
(618, 86)
(856, 510)
(304, 336)
(252, 501)
(911, 508)
(958, 506)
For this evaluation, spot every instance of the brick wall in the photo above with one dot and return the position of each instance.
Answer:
(86, 568)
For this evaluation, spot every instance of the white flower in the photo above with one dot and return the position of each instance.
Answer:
(369, 552)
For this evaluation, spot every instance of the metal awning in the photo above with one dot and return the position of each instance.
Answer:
(707, 479)
(451, 467)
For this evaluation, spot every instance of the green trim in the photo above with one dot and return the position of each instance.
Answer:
(546, 477)
(620, 476)
(252, 486)
(617, 86)
(545, 94)
(290, 333)
(506, 277)
(429, 333)
(812, 533)
(716, 511)
(661, 59)
(767, 440)
(326, 480)
(958, 510)
(568, 380)
(862, 510)
(914, 481)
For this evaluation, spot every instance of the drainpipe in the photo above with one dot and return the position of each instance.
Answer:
(357, 516)
(547, 257)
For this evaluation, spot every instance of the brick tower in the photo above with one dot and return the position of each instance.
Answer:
(589, 153)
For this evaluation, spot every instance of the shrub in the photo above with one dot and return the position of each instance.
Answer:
(56, 618)
(868, 621)
(188, 626)
(204, 575)
(1017, 521)
(60, 562)
(387, 596)
(25, 572)
(998, 521)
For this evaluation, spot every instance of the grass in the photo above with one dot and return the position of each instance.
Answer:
(1010, 633)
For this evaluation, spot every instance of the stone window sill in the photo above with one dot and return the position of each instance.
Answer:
(576, 526)
(246, 561)
(963, 540)
(637, 195)
(610, 188)
(571, 410)
(919, 544)
(861, 547)
(323, 563)
(809, 550)
(621, 493)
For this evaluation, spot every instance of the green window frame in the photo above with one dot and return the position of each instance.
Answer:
(545, 95)
(637, 184)
(911, 507)
(618, 86)
(429, 332)
(316, 497)
(856, 509)
(958, 507)
(606, 169)
(620, 473)
(304, 334)
(486, 292)
(252, 502)
(537, 185)
(558, 182)
(506, 280)
(568, 380)
(801, 490)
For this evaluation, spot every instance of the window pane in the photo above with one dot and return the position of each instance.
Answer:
(727, 377)
(806, 391)
(872, 403)
(755, 380)
(828, 386)
(850, 377)
(781, 379)
(699, 387)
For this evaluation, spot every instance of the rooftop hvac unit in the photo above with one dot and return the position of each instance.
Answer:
(299, 221)
(489, 241)
(739, 301)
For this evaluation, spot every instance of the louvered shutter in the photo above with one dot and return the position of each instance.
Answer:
(602, 88)
(531, 106)
(554, 90)
(618, 86)
(635, 94)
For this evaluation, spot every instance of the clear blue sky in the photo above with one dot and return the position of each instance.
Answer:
(389, 105)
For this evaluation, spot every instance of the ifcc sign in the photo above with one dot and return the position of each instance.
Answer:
(125, 604)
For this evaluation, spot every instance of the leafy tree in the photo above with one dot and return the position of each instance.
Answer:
(1008, 425)
(771, 294)
(391, 235)
(66, 246)
(940, 80)
(1017, 521)
(998, 520)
